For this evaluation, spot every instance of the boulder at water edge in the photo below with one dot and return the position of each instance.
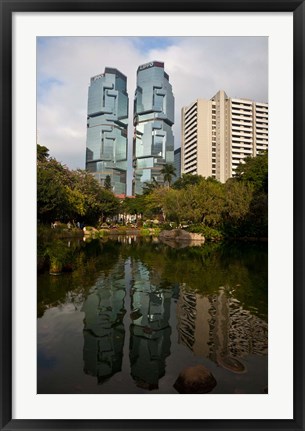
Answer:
(180, 235)
(195, 380)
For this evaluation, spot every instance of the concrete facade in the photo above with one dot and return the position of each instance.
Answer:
(217, 135)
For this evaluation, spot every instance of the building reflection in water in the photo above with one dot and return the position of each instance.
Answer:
(104, 331)
(218, 328)
(150, 331)
(215, 326)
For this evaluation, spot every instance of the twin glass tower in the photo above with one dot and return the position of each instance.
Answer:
(107, 124)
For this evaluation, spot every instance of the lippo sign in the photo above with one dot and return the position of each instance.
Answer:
(151, 64)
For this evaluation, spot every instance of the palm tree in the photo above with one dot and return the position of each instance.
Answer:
(168, 171)
(107, 183)
(150, 186)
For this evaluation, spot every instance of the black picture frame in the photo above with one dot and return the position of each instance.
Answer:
(8, 7)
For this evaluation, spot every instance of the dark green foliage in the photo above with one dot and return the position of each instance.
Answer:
(169, 226)
(246, 213)
(168, 171)
(241, 268)
(85, 258)
(71, 195)
(149, 187)
(107, 183)
(59, 255)
(52, 199)
(134, 206)
(236, 209)
(209, 233)
(42, 152)
(254, 171)
(187, 180)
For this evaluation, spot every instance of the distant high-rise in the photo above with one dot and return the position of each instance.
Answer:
(177, 163)
(217, 135)
(107, 121)
(153, 144)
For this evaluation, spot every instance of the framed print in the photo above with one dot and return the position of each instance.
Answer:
(152, 215)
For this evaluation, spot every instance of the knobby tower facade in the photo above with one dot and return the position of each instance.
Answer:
(217, 135)
(153, 141)
(107, 123)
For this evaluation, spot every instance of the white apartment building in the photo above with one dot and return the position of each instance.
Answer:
(217, 134)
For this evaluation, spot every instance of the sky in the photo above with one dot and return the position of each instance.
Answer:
(198, 67)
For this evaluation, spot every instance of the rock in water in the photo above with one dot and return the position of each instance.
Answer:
(195, 380)
(180, 235)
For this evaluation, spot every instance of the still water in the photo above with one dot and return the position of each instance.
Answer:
(135, 312)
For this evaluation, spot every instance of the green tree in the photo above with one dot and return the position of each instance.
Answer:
(107, 183)
(200, 203)
(175, 205)
(238, 197)
(52, 200)
(206, 202)
(134, 206)
(150, 186)
(254, 170)
(42, 153)
(168, 171)
(155, 201)
(66, 195)
(99, 203)
(187, 180)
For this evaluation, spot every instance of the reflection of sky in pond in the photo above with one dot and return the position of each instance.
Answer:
(134, 327)
(45, 361)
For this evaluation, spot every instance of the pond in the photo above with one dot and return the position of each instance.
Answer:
(134, 313)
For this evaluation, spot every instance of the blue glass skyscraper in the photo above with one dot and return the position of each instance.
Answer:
(107, 122)
(153, 142)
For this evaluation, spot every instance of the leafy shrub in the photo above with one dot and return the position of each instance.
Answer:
(59, 255)
(103, 232)
(145, 232)
(168, 226)
(209, 233)
(151, 231)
